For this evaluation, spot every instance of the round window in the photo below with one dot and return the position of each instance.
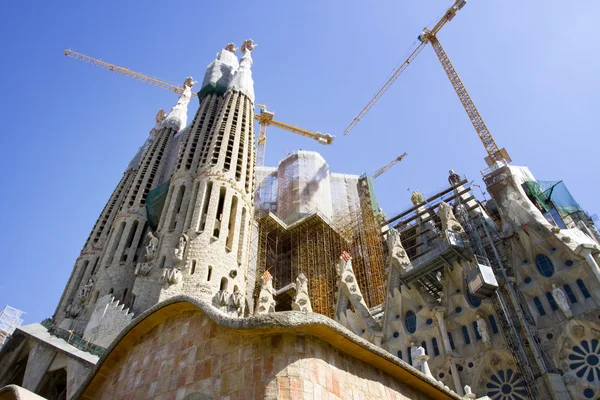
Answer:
(544, 265)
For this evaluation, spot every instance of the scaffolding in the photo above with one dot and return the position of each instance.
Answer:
(313, 244)
(10, 319)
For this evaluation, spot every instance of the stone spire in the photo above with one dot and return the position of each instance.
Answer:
(177, 117)
(242, 80)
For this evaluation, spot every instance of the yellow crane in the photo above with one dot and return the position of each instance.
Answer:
(389, 165)
(265, 118)
(430, 36)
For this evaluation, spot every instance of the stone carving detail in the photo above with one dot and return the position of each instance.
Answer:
(578, 331)
(231, 48)
(238, 302)
(561, 299)
(73, 310)
(414, 355)
(346, 276)
(151, 246)
(302, 301)
(171, 276)
(160, 117)
(247, 46)
(422, 358)
(107, 320)
(483, 331)
(142, 269)
(87, 289)
(348, 290)
(222, 298)
(469, 393)
(266, 302)
(179, 250)
(416, 198)
(495, 359)
(397, 255)
(449, 221)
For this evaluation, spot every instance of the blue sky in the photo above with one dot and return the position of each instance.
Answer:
(70, 129)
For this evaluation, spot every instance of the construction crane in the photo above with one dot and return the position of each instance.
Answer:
(265, 118)
(389, 165)
(495, 154)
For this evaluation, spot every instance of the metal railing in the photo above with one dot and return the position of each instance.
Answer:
(73, 339)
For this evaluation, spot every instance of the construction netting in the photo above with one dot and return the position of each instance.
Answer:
(552, 194)
(155, 202)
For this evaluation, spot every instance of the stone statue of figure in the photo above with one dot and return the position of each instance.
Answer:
(87, 289)
(238, 302)
(302, 301)
(414, 355)
(561, 300)
(151, 247)
(453, 178)
(483, 332)
(397, 255)
(449, 221)
(180, 249)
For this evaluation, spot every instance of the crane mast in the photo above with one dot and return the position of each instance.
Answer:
(495, 154)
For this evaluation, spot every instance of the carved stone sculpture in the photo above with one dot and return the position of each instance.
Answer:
(422, 359)
(483, 332)
(397, 255)
(160, 116)
(469, 393)
(561, 299)
(231, 48)
(453, 177)
(179, 251)
(449, 221)
(302, 301)
(151, 247)
(266, 302)
(414, 355)
(142, 269)
(87, 289)
(171, 276)
(222, 298)
(346, 275)
(238, 302)
(248, 46)
(416, 198)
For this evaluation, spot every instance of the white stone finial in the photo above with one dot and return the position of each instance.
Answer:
(266, 302)
(302, 301)
(231, 48)
(177, 117)
(397, 257)
(242, 80)
(468, 393)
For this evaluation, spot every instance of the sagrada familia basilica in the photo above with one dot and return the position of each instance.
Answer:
(207, 277)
